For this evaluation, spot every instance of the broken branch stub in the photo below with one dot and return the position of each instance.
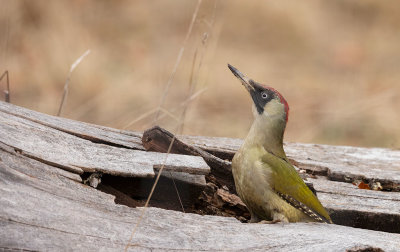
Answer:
(159, 139)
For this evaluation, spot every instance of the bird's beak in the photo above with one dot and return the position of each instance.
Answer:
(247, 83)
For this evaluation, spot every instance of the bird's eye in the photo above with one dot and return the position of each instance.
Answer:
(264, 95)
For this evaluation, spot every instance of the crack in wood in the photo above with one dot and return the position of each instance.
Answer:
(70, 127)
(77, 170)
(52, 229)
(15, 249)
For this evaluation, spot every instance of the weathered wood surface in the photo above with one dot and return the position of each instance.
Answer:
(45, 206)
(65, 150)
(341, 163)
(44, 210)
(94, 133)
(351, 206)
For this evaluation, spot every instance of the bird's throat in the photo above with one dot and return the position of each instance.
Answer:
(267, 131)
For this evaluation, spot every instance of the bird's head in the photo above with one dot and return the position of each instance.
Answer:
(267, 101)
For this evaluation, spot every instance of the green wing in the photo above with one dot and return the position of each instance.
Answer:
(291, 187)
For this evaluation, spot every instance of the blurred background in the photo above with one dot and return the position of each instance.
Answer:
(336, 62)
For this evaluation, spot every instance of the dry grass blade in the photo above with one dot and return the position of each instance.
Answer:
(7, 91)
(191, 88)
(65, 93)
(177, 192)
(4, 58)
(141, 117)
(149, 197)
(178, 60)
(165, 112)
(179, 127)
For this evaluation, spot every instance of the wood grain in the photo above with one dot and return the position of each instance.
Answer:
(79, 155)
(92, 132)
(340, 163)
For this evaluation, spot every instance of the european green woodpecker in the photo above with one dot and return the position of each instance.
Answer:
(264, 178)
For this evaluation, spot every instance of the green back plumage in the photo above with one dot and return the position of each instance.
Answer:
(285, 180)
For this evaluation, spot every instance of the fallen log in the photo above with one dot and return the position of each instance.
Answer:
(45, 204)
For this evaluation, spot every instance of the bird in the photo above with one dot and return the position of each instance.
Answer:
(265, 180)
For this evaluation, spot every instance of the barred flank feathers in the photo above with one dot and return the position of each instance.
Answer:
(305, 209)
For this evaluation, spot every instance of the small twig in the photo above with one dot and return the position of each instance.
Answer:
(65, 93)
(7, 91)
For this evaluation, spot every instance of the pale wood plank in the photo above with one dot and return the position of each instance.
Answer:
(351, 206)
(342, 163)
(92, 132)
(76, 154)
